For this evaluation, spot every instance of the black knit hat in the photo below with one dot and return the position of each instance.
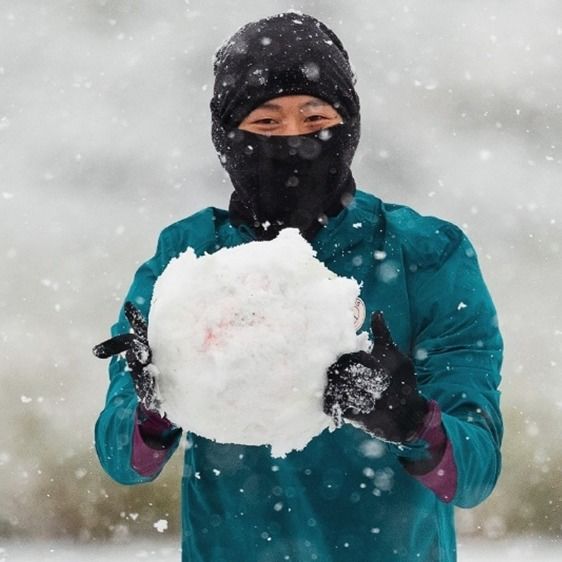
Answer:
(285, 54)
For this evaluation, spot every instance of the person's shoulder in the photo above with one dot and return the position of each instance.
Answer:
(206, 219)
(366, 201)
(197, 231)
(427, 240)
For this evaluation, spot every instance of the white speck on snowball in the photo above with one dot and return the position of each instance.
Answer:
(242, 339)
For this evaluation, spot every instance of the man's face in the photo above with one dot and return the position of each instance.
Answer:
(291, 115)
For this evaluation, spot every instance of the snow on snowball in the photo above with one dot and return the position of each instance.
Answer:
(242, 339)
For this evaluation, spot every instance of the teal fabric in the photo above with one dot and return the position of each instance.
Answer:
(346, 497)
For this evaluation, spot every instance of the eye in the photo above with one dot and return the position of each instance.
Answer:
(319, 117)
(264, 121)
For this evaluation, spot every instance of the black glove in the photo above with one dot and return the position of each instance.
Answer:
(377, 390)
(137, 354)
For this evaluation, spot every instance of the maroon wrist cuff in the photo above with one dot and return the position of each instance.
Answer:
(439, 472)
(442, 479)
(151, 423)
(146, 460)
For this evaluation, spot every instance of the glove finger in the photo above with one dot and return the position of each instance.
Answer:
(142, 352)
(138, 377)
(144, 386)
(331, 406)
(339, 369)
(136, 320)
(114, 346)
(336, 415)
(381, 333)
(134, 364)
(330, 398)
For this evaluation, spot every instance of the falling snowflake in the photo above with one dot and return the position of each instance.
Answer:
(161, 525)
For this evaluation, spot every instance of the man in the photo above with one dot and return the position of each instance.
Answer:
(382, 486)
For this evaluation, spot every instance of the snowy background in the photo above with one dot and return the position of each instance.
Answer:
(104, 140)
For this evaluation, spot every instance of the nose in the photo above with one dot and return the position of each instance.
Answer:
(294, 126)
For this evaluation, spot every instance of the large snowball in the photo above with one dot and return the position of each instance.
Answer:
(242, 339)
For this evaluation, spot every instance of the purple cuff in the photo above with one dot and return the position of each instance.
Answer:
(144, 459)
(442, 477)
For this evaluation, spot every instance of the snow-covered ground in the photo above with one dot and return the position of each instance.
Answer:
(470, 550)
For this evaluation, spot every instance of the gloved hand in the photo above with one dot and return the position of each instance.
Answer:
(137, 354)
(376, 389)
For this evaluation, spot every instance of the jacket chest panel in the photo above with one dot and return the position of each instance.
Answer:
(383, 287)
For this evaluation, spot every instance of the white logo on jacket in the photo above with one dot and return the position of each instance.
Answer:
(359, 313)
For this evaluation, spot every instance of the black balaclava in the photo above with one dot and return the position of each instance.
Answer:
(285, 181)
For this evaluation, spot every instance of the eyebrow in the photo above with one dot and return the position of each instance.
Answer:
(277, 107)
(314, 103)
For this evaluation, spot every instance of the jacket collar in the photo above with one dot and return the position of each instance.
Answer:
(360, 222)
(357, 223)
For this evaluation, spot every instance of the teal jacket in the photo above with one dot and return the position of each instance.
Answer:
(346, 497)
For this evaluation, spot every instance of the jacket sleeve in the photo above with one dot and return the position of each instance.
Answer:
(458, 354)
(115, 427)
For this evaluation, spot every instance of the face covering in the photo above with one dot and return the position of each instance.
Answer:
(290, 181)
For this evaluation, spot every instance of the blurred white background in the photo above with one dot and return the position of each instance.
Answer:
(105, 139)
